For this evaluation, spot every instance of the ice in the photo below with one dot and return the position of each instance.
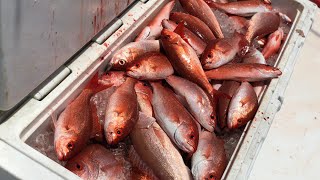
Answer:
(231, 140)
(100, 101)
(226, 24)
(44, 143)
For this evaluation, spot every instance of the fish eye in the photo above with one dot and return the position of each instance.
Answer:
(211, 176)
(212, 116)
(210, 55)
(70, 146)
(78, 166)
(137, 65)
(118, 132)
(191, 136)
(122, 62)
(167, 36)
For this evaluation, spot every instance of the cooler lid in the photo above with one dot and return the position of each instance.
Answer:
(37, 37)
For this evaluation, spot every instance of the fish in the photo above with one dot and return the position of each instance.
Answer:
(113, 78)
(196, 43)
(262, 24)
(174, 118)
(255, 56)
(194, 24)
(75, 125)
(201, 10)
(243, 106)
(244, 72)
(144, 96)
(209, 161)
(153, 29)
(221, 51)
(188, 36)
(273, 44)
(138, 163)
(199, 104)
(156, 149)
(228, 87)
(184, 60)
(121, 112)
(150, 66)
(241, 8)
(129, 53)
(97, 163)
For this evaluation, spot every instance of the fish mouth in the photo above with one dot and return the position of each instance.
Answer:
(110, 137)
(184, 145)
(62, 156)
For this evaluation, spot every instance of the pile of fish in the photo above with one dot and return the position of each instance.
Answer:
(158, 97)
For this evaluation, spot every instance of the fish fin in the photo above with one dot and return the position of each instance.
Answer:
(180, 29)
(95, 86)
(97, 130)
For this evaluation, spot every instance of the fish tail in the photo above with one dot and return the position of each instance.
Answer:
(94, 84)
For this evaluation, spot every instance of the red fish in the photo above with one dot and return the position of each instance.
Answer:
(75, 125)
(113, 78)
(174, 119)
(221, 51)
(199, 104)
(196, 43)
(262, 24)
(184, 60)
(153, 30)
(209, 161)
(241, 8)
(156, 149)
(194, 24)
(243, 106)
(121, 113)
(128, 53)
(244, 72)
(97, 163)
(150, 66)
(273, 44)
(228, 87)
(144, 96)
(201, 10)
